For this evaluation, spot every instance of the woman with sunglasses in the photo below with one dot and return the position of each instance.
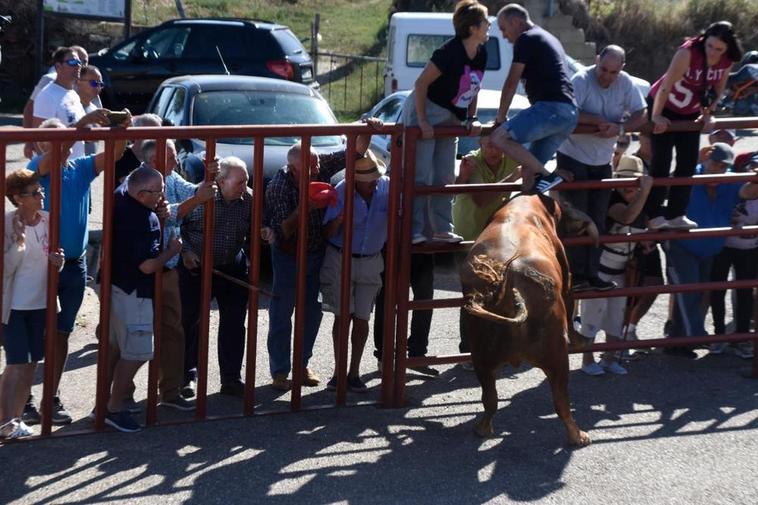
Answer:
(26, 257)
(88, 87)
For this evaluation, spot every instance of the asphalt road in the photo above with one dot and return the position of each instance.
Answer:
(672, 431)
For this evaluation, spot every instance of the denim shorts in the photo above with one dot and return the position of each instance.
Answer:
(71, 283)
(25, 336)
(544, 125)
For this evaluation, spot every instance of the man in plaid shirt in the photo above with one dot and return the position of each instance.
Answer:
(282, 197)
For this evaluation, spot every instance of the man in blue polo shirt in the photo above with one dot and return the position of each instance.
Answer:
(369, 235)
(135, 258)
(76, 176)
(689, 261)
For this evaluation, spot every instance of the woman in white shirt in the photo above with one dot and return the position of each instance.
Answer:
(26, 255)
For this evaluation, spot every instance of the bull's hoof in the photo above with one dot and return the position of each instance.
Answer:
(581, 440)
(484, 430)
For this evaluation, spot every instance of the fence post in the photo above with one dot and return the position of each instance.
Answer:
(315, 28)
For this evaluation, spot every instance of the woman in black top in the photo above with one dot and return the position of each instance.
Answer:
(445, 94)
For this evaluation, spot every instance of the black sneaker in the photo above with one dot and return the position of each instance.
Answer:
(122, 421)
(31, 414)
(235, 388)
(599, 284)
(684, 352)
(332, 384)
(544, 183)
(580, 285)
(179, 403)
(60, 415)
(188, 391)
(426, 370)
(356, 385)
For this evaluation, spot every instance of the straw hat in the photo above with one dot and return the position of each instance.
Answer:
(629, 166)
(369, 168)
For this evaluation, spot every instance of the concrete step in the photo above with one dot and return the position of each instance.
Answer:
(575, 36)
(558, 22)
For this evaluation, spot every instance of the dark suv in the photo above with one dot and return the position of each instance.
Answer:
(134, 69)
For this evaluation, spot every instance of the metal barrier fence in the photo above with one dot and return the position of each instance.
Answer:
(345, 97)
(404, 250)
(397, 304)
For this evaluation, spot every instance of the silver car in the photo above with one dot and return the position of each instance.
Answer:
(217, 100)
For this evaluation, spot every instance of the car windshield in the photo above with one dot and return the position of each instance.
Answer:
(246, 107)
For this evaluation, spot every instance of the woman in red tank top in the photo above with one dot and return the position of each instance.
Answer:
(689, 91)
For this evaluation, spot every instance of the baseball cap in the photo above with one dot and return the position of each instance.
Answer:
(722, 152)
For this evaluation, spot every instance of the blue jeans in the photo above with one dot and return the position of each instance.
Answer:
(282, 307)
(584, 260)
(71, 283)
(683, 267)
(545, 125)
(435, 166)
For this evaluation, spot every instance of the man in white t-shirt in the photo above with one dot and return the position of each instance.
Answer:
(58, 99)
(44, 81)
(609, 101)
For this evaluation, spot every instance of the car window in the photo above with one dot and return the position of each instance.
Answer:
(231, 41)
(287, 40)
(390, 111)
(125, 50)
(164, 95)
(262, 108)
(166, 43)
(175, 109)
(420, 48)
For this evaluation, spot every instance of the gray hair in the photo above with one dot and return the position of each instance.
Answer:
(613, 51)
(295, 152)
(148, 119)
(52, 122)
(141, 177)
(226, 165)
(514, 10)
(150, 146)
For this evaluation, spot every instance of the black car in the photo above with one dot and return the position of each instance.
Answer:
(134, 69)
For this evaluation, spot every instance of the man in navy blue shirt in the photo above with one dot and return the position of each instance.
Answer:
(538, 60)
(136, 256)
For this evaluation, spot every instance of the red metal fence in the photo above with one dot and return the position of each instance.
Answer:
(397, 267)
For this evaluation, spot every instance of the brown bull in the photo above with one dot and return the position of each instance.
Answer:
(516, 285)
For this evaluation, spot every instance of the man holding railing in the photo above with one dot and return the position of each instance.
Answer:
(282, 202)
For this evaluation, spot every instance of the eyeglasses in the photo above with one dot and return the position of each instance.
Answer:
(94, 84)
(73, 62)
(37, 192)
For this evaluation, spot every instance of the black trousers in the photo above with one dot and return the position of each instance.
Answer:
(745, 267)
(422, 285)
(687, 145)
(232, 307)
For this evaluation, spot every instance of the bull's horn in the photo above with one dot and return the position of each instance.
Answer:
(476, 309)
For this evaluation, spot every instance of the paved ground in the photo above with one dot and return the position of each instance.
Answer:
(672, 431)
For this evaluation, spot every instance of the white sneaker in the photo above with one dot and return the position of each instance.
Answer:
(658, 223)
(681, 223)
(20, 429)
(447, 237)
(613, 367)
(593, 369)
(418, 238)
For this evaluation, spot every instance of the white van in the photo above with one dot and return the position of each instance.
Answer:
(413, 37)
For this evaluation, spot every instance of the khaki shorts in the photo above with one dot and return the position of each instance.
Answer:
(366, 282)
(131, 325)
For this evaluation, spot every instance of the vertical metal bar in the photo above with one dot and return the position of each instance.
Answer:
(301, 259)
(344, 98)
(103, 339)
(154, 365)
(346, 272)
(51, 326)
(206, 284)
(329, 88)
(3, 156)
(376, 82)
(409, 158)
(390, 276)
(360, 94)
(254, 276)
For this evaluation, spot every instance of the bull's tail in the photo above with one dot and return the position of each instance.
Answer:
(475, 308)
(493, 293)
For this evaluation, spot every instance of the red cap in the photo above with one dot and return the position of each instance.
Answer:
(322, 194)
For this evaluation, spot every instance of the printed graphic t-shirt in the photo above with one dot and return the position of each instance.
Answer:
(461, 77)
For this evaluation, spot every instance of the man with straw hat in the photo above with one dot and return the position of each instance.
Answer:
(370, 211)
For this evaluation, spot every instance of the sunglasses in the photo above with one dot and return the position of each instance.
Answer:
(73, 62)
(94, 84)
(35, 193)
